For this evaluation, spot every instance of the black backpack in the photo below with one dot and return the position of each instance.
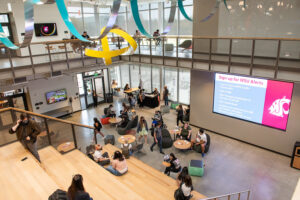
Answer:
(58, 195)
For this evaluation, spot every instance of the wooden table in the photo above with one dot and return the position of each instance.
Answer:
(130, 138)
(131, 90)
(182, 144)
(167, 164)
(115, 120)
(174, 132)
(65, 147)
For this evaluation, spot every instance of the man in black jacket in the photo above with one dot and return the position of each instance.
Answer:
(27, 131)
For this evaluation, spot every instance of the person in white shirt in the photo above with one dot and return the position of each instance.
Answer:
(187, 187)
(201, 139)
(95, 153)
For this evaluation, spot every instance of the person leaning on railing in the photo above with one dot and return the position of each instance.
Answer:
(27, 131)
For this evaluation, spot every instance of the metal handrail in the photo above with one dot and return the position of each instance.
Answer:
(229, 195)
(45, 116)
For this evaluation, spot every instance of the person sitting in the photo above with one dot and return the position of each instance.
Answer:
(76, 191)
(124, 111)
(185, 132)
(126, 87)
(94, 152)
(201, 139)
(119, 165)
(123, 123)
(175, 165)
(110, 111)
(156, 36)
(157, 117)
(187, 187)
(184, 172)
(127, 146)
(85, 35)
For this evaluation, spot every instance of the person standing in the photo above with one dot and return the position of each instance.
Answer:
(141, 98)
(27, 131)
(157, 138)
(95, 98)
(142, 129)
(179, 114)
(97, 129)
(166, 95)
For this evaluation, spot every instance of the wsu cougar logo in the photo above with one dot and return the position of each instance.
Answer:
(277, 107)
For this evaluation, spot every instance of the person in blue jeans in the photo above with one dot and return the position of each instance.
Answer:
(118, 165)
(166, 96)
(157, 138)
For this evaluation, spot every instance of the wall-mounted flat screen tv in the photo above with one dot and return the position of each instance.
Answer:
(45, 29)
(56, 96)
(262, 101)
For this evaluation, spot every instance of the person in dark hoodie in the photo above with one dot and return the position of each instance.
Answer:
(76, 191)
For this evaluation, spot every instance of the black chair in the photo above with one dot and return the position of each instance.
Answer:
(105, 111)
(167, 141)
(135, 122)
(131, 124)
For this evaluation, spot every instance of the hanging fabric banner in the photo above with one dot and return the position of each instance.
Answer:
(106, 53)
(137, 19)
(171, 18)
(65, 16)
(213, 11)
(182, 10)
(112, 19)
(29, 26)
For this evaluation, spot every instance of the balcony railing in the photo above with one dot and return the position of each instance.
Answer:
(243, 195)
(272, 54)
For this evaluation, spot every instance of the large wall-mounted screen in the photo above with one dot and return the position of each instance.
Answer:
(56, 96)
(257, 100)
(46, 29)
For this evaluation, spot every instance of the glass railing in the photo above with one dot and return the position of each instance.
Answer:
(215, 52)
(63, 135)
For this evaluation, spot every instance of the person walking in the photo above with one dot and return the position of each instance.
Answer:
(97, 129)
(95, 98)
(142, 129)
(166, 95)
(27, 131)
(157, 138)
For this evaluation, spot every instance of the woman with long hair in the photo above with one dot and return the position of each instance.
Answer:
(184, 172)
(97, 128)
(119, 165)
(174, 165)
(187, 187)
(142, 129)
(76, 190)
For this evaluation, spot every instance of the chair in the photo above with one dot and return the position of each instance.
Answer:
(187, 44)
(123, 131)
(105, 111)
(167, 141)
(135, 122)
(197, 148)
(196, 168)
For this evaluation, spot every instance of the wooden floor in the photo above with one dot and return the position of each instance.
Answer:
(22, 179)
(28, 180)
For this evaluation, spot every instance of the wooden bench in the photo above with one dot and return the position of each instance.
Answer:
(147, 181)
(23, 179)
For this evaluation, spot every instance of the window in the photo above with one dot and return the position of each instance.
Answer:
(174, 28)
(184, 86)
(80, 84)
(135, 76)
(4, 18)
(154, 21)
(124, 75)
(77, 21)
(115, 75)
(156, 78)
(170, 80)
(146, 78)
(186, 25)
(90, 25)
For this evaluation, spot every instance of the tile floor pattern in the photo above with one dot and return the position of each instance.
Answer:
(231, 166)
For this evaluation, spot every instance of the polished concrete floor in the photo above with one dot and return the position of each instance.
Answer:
(230, 165)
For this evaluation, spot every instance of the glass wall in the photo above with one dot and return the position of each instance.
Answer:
(178, 92)
(92, 18)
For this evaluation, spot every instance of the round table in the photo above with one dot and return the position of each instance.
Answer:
(115, 120)
(174, 132)
(130, 138)
(182, 144)
(166, 164)
(65, 147)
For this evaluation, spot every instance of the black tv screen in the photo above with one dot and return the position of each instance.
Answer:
(56, 96)
(45, 29)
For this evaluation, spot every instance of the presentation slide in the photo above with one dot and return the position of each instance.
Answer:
(261, 101)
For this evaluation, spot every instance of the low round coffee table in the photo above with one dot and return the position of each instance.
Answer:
(115, 120)
(182, 144)
(167, 164)
(130, 138)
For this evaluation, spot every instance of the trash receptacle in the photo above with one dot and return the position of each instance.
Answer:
(109, 98)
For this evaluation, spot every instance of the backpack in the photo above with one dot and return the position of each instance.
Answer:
(58, 195)
(125, 152)
(178, 194)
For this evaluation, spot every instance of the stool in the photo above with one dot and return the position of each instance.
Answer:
(196, 168)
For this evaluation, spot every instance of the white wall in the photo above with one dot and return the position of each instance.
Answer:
(42, 14)
(38, 88)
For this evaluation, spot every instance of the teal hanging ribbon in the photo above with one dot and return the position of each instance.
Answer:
(65, 16)
(182, 10)
(29, 26)
(137, 19)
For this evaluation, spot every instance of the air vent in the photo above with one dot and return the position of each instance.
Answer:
(21, 80)
(57, 73)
